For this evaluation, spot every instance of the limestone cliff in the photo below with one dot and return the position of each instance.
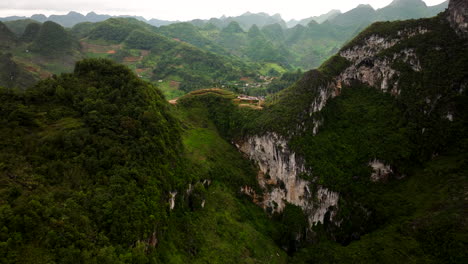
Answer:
(375, 70)
(458, 16)
(280, 167)
(390, 57)
(279, 177)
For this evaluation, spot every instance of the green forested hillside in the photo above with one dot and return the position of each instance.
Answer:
(37, 52)
(418, 216)
(306, 44)
(19, 26)
(176, 67)
(362, 160)
(72, 171)
(271, 44)
(89, 160)
(13, 75)
(7, 38)
(328, 33)
(53, 41)
(253, 48)
(30, 32)
(189, 33)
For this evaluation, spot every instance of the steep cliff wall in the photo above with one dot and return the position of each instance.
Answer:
(402, 59)
(377, 71)
(281, 168)
(279, 177)
(458, 16)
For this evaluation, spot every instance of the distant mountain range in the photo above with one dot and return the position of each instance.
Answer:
(397, 10)
(298, 44)
(319, 19)
(222, 50)
(31, 50)
(73, 18)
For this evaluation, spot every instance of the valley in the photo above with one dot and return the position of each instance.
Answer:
(339, 138)
(237, 53)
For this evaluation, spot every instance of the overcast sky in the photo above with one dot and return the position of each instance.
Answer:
(186, 9)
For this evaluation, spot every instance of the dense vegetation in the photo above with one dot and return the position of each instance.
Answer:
(286, 80)
(89, 160)
(168, 59)
(304, 47)
(44, 49)
(18, 26)
(416, 216)
(33, 51)
(53, 41)
(30, 33)
(249, 47)
(7, 38)
(113, 30)
(96, 166)
(305, 44)
(12, 75)
(85, 157)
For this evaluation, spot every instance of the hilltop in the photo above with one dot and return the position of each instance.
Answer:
(176, 66)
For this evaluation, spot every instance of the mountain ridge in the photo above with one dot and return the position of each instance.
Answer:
(261, 19)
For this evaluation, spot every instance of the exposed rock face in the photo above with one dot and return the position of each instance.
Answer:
(381, 170)
(280, 169)
(458, 16)
(172, 200)
(368, 68)
(376, 71)
(153, 240)
(449, 116)
(188, 192)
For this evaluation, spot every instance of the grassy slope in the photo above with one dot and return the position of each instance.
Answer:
(229, 229)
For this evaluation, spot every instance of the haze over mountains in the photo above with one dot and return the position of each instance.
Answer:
(398, 9)
(254, 38)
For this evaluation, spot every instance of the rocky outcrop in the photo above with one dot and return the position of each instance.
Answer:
(381, 171)
(188, 192)
(458, 16)
(172, 200)
(367, 67)
(281, 168)
(376, 71)
(280, 180)
(371, 62)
